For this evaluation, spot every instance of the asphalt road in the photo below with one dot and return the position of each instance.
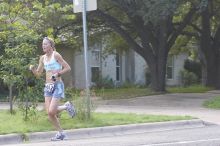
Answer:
(209, 135)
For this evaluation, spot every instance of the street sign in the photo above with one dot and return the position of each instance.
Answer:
(78, 5)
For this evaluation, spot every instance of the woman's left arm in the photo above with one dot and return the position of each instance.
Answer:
(64, 64)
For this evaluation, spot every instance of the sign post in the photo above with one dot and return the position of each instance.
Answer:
(83, 6)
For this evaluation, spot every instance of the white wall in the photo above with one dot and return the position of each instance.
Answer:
(123, 70)
(178, 65)
(109, 67)
(140, 69)
(79, 69)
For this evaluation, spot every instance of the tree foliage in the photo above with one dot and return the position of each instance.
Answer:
(204, 32)
(19, 46)
(149, 28)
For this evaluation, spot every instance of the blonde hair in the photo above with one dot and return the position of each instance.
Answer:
(52, 43)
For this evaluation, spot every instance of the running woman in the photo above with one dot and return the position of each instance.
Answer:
(55, 66)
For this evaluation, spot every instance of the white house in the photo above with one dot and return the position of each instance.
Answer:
(119, 67)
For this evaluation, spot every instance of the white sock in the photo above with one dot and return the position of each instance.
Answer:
(61, 107)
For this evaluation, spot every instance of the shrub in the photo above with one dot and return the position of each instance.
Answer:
(193, 66)
(188, 78)
(147, 78)
(105, 82)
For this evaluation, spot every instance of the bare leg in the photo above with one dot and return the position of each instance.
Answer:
(47, 103)
(52, 113)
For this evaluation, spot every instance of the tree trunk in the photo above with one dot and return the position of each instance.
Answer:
(204, 65)
(158, 66)
(157, 77)
(208, 50)
(216, 46)
(11, 97)
(218, 73)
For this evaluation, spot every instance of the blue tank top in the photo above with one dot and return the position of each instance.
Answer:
(52, 64)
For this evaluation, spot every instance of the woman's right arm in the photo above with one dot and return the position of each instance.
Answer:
(38, 71)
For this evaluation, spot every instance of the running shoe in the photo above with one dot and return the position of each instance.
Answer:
(70, 109)
(59, 136)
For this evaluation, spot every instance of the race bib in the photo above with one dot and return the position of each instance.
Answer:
(49, 87)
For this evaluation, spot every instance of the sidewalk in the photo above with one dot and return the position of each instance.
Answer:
(166, 104)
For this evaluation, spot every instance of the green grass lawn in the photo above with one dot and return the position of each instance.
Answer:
(15, 123)
(189, 89)
(213, 103)
(123, 93)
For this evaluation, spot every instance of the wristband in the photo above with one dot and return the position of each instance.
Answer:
(58, 74)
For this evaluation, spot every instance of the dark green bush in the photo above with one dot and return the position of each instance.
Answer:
(105, 82)
(193, 66)
(147, 78)
(188, 78)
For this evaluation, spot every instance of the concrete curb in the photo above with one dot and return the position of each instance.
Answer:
(103, 131)
(11, 138)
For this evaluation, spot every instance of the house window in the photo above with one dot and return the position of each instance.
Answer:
(95, 65)
(117, 67)
(95, 74)
(170, 67)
